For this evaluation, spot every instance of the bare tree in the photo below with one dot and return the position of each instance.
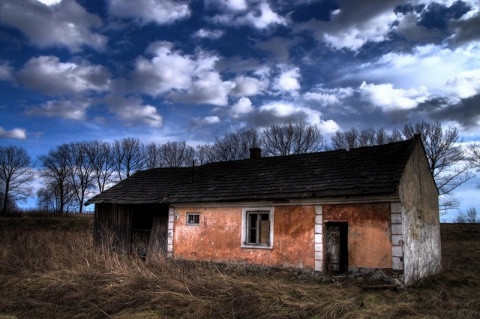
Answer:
(447, 160)
(474, 157)
(338, 141)
(445, 155)
(346, 140)
(152, 157)
(472, 215)
(395, 136)
(250, 139)
(15, 175)
(232, 146)
(468, 217)
(227, 148)
(367, 137)
(223, 149)
(176, 154)
(82, 170)
(202, 153)
(381, 137)
(103, 163)
(56, 169)
(292, 139)
(48, 198)
(129, 157)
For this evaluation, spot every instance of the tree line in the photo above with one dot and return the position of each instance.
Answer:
(72, 172)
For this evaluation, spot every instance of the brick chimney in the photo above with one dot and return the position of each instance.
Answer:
(255, 152)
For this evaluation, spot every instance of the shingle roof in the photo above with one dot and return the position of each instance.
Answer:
(374, 170)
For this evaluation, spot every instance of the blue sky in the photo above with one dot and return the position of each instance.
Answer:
(194, 70)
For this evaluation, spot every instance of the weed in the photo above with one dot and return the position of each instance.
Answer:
(48, 269)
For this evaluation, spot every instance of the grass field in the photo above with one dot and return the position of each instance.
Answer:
(48, 269)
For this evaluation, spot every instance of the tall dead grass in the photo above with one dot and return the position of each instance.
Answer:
(54, 273)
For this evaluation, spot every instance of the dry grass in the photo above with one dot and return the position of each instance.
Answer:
(49, 270)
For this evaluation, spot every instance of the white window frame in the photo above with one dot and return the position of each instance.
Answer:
(244, 235)
(192, 214)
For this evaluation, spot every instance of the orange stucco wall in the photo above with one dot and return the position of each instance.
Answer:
(369, 240)
(218, 237)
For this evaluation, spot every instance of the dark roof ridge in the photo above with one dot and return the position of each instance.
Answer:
(315, 153)
(165, 168)
(318, 174)
(387, 144)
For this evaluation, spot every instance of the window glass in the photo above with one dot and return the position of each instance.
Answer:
(193, 219)
(258, 228)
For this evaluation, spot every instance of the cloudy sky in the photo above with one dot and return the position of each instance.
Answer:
(169, 70)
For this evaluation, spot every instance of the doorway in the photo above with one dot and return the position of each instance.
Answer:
(140, 230)
(336, 259)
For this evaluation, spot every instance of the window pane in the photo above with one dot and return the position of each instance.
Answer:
(193, 219)
(264, 229)
(252, 228)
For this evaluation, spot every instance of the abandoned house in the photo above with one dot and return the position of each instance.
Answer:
(366, 209)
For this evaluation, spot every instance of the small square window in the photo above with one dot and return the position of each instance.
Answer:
(193, 219)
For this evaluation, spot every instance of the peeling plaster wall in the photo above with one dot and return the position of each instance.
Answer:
(420, 222)
(369, 238)
(218, 237)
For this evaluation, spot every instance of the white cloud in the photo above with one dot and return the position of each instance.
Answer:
(279, 109)
(284, 111)
(354, 37)
(180, 77)
(388, 98)
(208, 89)
(235, 5)
(287, 81)
(131, 110)
(147, 11)
(328, 126)
(443, 71)
(49, 2)
(67, 109)
(5, 72)
(355, 24)
(287, 111)
(243, 106)
(332, 100)
(329, 97)
(248, 86)
(465, 84)
(209, 34)
(208, 120)
(261, 17)
(167, 70)
(65, 23)
(16, 133)
(47, 74)
(448, 3)
(324, 98)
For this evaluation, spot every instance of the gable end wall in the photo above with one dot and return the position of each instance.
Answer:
(420, 219)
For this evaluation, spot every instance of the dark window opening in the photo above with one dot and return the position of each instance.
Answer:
(193, 219)
(258, 228)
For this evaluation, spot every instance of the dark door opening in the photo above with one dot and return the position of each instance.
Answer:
(336, 247)
(140, 230)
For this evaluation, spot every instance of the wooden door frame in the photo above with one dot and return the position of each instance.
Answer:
(343, 262)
